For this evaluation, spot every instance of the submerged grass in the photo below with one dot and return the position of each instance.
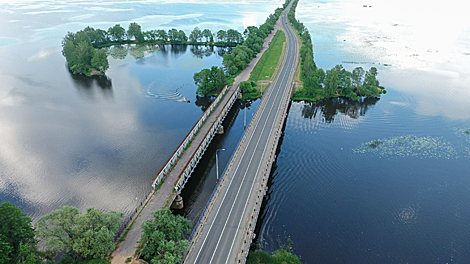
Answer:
(410, 146)
(279, 256)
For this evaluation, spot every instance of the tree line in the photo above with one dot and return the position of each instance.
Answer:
(318, 84)
(83, 237)
(84, 55)
(118, 35)
(235, 62)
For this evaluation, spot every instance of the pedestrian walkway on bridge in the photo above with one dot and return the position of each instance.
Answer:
(165, 193)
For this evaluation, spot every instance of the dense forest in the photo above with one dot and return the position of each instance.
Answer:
(318, 84)
(84, 55)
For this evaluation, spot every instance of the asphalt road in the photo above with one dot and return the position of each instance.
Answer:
(221, 238)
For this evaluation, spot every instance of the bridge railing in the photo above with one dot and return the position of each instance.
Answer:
(201, 148)
(176, 155)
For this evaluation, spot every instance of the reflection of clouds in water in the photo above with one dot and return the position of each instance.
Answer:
(8, 41)
(400, 103)
(47, 12)
(49, 169)
(427, 54)
(109, 9)
(441, 90)
(43, 54)
(396, 35)
(81, 17)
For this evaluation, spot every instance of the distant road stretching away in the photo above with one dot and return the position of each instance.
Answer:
(221, 237)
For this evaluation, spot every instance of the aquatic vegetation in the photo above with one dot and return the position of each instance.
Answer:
(463, 132)
(410, 145)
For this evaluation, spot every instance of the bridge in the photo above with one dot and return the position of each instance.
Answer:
(225, 230)
(171, 179)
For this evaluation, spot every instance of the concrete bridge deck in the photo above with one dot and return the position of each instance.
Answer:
(225, 230)
(165, 193)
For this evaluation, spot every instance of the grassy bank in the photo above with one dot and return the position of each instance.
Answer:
(267, 65)
(279, 256)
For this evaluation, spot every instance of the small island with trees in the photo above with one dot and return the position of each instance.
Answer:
(337, 82)
(85, 55)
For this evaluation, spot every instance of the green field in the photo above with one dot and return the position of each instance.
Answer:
(268, 63)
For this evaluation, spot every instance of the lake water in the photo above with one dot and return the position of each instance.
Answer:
(99, 142)
(372, 181)
(379, 181)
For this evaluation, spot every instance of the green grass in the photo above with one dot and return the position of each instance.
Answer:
(268, 63)
(280, 256)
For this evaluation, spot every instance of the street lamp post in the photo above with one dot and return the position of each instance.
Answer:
(262, 92)
(217, 163)
(244, 120)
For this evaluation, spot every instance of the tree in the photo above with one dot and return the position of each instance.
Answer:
(77, 49)
(195, 35)
(16, 236)
(99, 60)
(162, 35)
(150, 35)
(203, 81)
(181, 37)
(81, 236)
(135, 31)
(234, 36)
(207, 34)
(165, 237)
(331, 83)
(210, 81)
(247, 87)
(5, 250)
(357, 76)
(370, 77)
(222, 36)
(172, 35)
(97, 37)
(117, 33)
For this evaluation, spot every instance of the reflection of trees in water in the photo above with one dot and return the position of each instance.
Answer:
(204, 101)
(221, 51)
(118, 52)
(178, 49)
(246, 103)
(137, 51)
(201, 51)
(331, 107)
(86, 84)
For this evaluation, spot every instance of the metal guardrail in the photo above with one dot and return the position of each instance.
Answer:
(201, 149)
(174, 158)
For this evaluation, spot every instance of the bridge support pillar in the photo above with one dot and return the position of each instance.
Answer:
(177, 203)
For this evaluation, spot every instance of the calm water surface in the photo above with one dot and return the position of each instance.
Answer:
(372, 181)
(379, 181)
(98, 142)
